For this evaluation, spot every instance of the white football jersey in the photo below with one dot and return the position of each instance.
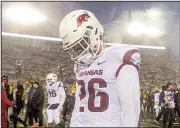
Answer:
(55, 91)
(98, 102)
(156, 98)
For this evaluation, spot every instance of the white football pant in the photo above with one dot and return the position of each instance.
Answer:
(53, 116)
(157, 109)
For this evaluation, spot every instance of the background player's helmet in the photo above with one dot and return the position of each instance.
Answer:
(51, 78)
(81, 34)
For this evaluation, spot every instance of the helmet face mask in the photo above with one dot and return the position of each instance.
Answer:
(79, 47)
(84, 42)
(83, 51)
(51, 78)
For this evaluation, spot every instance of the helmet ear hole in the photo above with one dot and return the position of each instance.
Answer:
(87, 33)
(101, 37)
(96, 32)
(90, 27)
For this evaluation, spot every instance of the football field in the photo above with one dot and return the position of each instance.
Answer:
(148, 122)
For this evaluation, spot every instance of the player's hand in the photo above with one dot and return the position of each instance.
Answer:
(59, 108)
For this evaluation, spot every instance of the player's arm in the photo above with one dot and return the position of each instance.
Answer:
(63, 96)
(129, 88)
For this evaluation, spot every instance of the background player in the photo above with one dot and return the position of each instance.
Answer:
(108, 92)
(156, 102)
(56, 98)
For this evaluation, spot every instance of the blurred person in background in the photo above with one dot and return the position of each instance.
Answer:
(19, 105)
(144, 100)
(9, 91)
(169, 105)
(23, 97)
(5, 102)
(176, 109)
(178, 99)
(27, 105)
(150, 103)
(156, 102)
(161, 104)
(56, 99)
(142, 109)
(65, 115)
(36, 105)
(71, 102)
(66, 103)
(8, 87)
(30, 92)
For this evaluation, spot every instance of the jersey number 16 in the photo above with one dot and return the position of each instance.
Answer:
(52, 93)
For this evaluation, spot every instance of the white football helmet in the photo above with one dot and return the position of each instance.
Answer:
(82, 35)
(51, 78)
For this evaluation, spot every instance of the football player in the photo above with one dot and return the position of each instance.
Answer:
(107, 90)
(56, 98)
(156, 100)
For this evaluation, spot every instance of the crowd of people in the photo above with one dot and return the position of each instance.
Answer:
(33, 100)
(162, 103)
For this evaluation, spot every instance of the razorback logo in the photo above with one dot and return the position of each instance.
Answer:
(81, 19)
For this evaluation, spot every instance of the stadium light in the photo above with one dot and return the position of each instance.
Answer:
(136, 28)
(59, 39)
(25, 15)
(30, 36)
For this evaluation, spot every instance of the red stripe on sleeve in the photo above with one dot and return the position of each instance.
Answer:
(128, 55)
(127, 60)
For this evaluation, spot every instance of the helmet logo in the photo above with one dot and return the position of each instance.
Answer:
(81, 19)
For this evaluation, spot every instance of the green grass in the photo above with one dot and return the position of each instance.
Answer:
(149, 121)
